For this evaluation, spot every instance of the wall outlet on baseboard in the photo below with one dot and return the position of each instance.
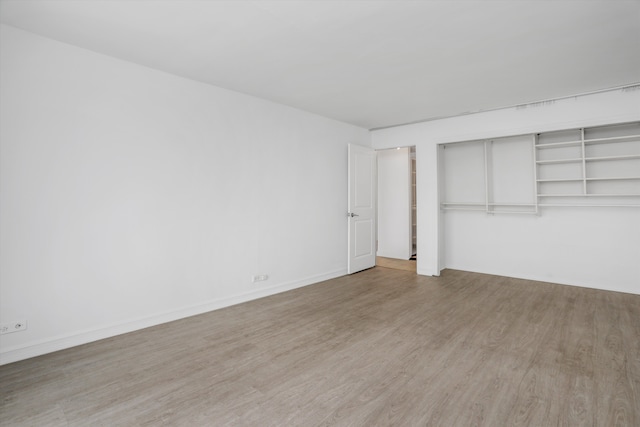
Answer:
(16, 326)
(260, 278)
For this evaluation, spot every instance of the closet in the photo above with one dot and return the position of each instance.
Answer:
(586, 167)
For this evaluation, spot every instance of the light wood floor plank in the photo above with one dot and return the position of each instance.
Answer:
(397, 264)
(381, 347)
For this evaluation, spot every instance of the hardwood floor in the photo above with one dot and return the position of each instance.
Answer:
(381, 347)
(398, 264)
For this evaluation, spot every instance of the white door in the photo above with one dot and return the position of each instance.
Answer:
(362, 203)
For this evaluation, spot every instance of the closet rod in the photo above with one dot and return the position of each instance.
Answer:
(513, 212)
(558, 205)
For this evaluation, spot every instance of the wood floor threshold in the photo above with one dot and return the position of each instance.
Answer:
(397, 264)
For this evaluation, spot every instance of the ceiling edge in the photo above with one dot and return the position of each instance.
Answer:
(627, 87)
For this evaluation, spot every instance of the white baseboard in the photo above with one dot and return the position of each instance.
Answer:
(427, 272)
(557, 280)
(83, 337)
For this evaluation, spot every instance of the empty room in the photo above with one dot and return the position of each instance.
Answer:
(314, 213)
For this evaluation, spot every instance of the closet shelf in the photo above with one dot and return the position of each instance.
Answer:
(614, 178)
(589, 195)
(580, 173)
(558, 161)
(511, 204)
(514, 212)
(585, 205)
(559, 144)
(609, 178)
(485, 204)
(589, 141)
(467, 208)
(624, 157)
(463, 204)
(463, 209)
(612, 138)
(561, 180)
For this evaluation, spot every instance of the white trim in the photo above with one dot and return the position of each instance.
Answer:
(549, 280)
(428, 272)
(62, 342)
(549, 101)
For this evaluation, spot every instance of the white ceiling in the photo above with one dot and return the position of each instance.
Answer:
(369, 63)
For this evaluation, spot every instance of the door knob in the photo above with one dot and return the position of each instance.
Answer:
(351, 214)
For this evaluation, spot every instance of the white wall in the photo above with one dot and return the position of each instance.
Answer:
(131, 197)
(394, 203)
(597, 247)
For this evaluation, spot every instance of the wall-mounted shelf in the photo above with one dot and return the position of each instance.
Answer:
(490, 208)
(607, 178)
(561, 180)
(588, 167)
(584, 205)
(451, 204)
(602, 164)
(613, 178)
(588, 141)
(493, 176)
(462, 204)
(559, 144)
(633, 137)
(625, 157)
(589, 195)
(557, 161)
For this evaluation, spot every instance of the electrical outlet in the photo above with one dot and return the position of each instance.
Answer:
(260, 278)
(16, 326)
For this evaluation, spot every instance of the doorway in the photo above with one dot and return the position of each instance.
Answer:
(397, 219)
